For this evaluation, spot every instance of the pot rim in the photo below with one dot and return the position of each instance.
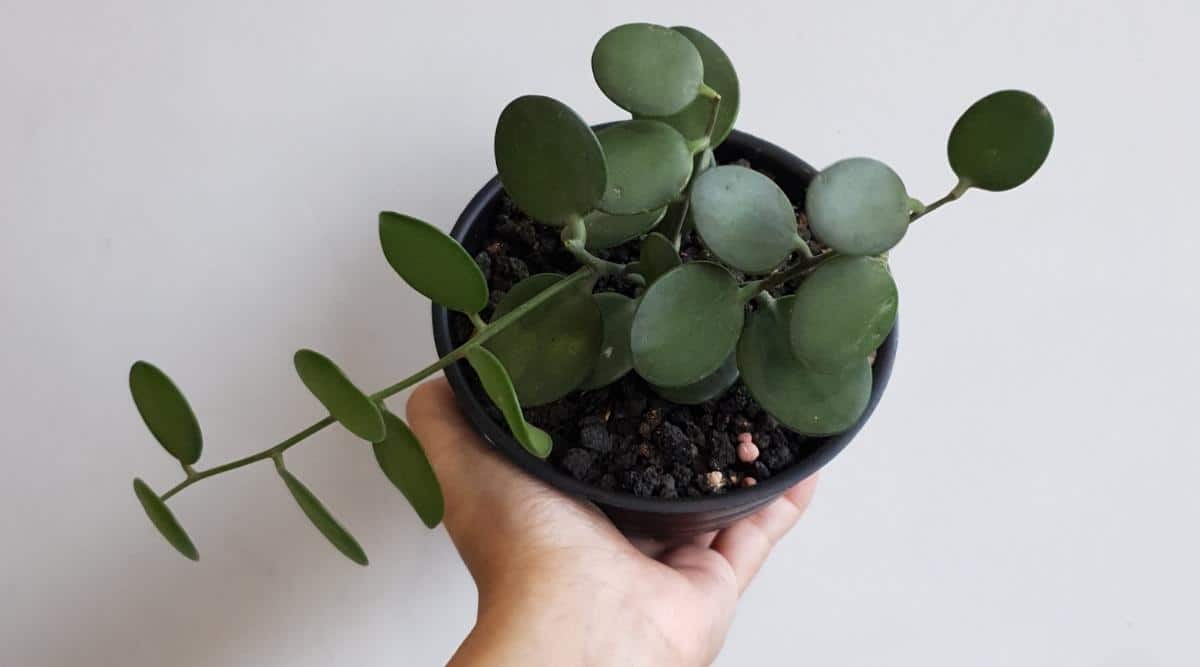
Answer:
(824, 449)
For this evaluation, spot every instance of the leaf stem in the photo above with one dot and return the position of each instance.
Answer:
(574, 237)
(253, 458)
(750, 290)
(276, 452)
(715, 98)
(958, 190)
(477, 321)
(803, 248)
(674, 230)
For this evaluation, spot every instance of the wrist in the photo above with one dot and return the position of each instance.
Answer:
(563, 624)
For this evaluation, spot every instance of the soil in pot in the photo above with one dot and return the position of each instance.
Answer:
(624, 436)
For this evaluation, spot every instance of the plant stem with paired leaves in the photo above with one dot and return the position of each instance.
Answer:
(482, 335)
(574, 237)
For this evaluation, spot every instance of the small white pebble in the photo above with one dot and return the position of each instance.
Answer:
(715, 480)
(749, 481)
(747, 452)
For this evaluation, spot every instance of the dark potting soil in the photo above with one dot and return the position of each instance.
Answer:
(624, 436)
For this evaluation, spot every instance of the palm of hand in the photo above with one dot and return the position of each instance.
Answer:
(547, 563)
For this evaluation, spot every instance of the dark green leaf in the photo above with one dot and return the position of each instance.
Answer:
(551, 350)
(719, 75)
(858, 207)
(842, 312)
(647, 69)
(615, 359)
(164, 520)
(345, 402)
(166, 412)
(708, 388)
(649, 164)
(499, 387)
(432, 263)
(322, 519)
(549, 160)
(687, 324)
(744, 218)
(658, 256)
(524, 291)
(1001, 140)
(605, 230)
(803, 400)
(404, 462)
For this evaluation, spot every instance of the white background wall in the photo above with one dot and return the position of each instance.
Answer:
(197, 183)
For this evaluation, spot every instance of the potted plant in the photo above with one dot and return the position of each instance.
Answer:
(666, 316)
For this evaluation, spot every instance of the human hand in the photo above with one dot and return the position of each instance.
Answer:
(559, 585)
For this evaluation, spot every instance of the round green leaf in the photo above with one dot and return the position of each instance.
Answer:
(708, 388)
(615, 359)
(499, 387)
(432, 263)
(842, 312)
(166, 412)
(1001, 140)
(552, 349)
(549, 160)
(605, 230)
(686, 325)
(322, 519)
(402, 460)
(744, 218)
(719, 75)
(649, 164)
(164, 520)
(858, 207)
(647, 69)
(802, 399)
(658, 255)
(345, 402)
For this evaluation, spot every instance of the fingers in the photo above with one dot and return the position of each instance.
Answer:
(655, 548)
(745, 544)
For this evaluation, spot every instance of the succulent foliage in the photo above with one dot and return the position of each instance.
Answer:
(693, 328)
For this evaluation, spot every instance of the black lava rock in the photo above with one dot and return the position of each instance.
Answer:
(593, 434)
(675, 445)
(578, 462)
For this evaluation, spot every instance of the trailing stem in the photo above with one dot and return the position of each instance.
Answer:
(482, 335)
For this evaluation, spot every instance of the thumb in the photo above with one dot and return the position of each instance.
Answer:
(481, 490)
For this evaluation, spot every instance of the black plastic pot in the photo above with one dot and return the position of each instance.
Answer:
(655, 517)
